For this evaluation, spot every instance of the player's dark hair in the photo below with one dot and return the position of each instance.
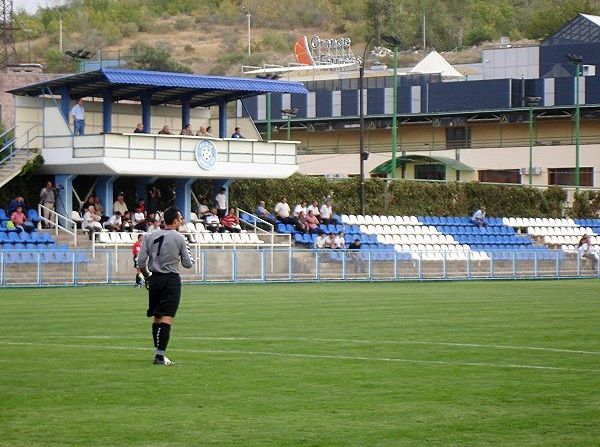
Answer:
(170, 215)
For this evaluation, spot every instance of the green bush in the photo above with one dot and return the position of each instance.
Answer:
(183, 23)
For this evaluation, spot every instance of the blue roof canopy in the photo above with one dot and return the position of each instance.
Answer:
(164, 87)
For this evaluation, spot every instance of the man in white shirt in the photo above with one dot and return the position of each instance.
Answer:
(300, 208)
(587, 250)
(478, 218)
(213, 223)
(91, 221)
(114, 223)
(221, 199)
(78, 113)
(314, 207)
(282, 211)
(320, 242)
(339, 241)
(120, 205)
(327, 213)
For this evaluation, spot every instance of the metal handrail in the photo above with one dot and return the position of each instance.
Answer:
(54, 222)
(10, 145)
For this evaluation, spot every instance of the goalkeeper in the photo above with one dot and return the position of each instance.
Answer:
(160, 256)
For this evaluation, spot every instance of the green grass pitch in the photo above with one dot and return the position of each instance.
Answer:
(380, 364)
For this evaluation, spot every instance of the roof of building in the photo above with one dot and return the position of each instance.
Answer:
(584, 28)
(164, 87)
(435, 63)
(386, 167)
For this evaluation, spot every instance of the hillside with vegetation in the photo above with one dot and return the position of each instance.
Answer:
(210, 36)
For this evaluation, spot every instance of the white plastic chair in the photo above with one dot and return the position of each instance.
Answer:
(384, 220)
(376, 219)
(369, 220)
(345, 219)
(352, 220)
(194, 217)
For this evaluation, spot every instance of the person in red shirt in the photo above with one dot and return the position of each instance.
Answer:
(135, 250)
(230, 222)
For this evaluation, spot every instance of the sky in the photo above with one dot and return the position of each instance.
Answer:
(31, 6)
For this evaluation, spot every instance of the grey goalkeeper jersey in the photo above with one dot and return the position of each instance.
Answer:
(162, 250)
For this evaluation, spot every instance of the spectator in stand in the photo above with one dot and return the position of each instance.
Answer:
(139, 219)
(312, 222)
(327, 213)
(221, 201)
(153, 196)
(47, 200)
(209, 132)
(301, 207)
(231, 222)
(264, 213)
(91, 222)
(141, 203)
(14, 203)
(139, 128)
(202, 132)
(301, 224)
(314, 207)
(320, 241)
(330, 241)
(114, 223)
(237, 133)
(355, 245)
(282, 211)
(187, 130)
(135, 251)
(18, 218)
(166, 130)
(585, 249)
(120, 204)
(78, 113)
(203, 209)
(99, 209)
(478, 218)
(340, 242)
(154, 226)
(126, 221)
(213, 223)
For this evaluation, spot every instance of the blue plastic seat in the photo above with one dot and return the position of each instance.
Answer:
(4, 238)
(3, 215)
(307, 238)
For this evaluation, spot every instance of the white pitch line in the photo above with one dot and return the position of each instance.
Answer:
(316, 356)
(358, 341)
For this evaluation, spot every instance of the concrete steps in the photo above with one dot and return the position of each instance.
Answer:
(13, 167)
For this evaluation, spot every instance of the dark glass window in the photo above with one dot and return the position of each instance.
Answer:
(430, 171)
(458, 137)
(500, 176)
(566, 176)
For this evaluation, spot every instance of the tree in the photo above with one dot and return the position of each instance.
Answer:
(146, 57)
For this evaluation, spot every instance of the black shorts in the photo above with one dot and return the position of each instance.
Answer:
(164, 294)
(135, 263)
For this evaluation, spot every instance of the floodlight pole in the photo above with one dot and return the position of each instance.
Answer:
(532, 100)
(395, 41)
(361, 112)
(577, 123)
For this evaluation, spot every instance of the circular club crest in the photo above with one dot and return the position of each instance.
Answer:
(206, 154)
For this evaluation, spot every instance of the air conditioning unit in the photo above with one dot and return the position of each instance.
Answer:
(535, 171)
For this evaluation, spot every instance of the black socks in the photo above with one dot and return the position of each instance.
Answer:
(163, 334)
(155, 327)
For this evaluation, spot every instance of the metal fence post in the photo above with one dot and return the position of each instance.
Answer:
(205, 266)
(344, 272)
(420, 265)
(557, 263)
(39, 268)
(469, 264)
(492, 265)
(536, 272)
(74, 268)
(370, 266)
(234, 265)
(445, 266)
(290, 264)
(395, 265)
(317, 266)
(578, 265)
(514, 264)
(262, 265)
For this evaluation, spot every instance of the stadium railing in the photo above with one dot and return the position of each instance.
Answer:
(24, 267)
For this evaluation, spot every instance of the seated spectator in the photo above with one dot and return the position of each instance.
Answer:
(120, 204)
(166, 130)
(14, 203)
(89, 202)
(187, 130)
(478, 218)
(264, 213)
(139, 219)
(237, 133)
(327, 213)
(355, 245)
(212, 222)
(141, 203)
(586, 250)
(314, 207)
(330, 241)
(209, 132)
(230, 222)
(139, 128)
(301, 224)
(312, 222)
(282, 212)
(126, 221)
(99, 209)
(320, 241)
(202, 132)
(154, 226)
(203, 209)
(91, 222)
(301, 207)
(339, 241)
(114, 223)
(18, 218)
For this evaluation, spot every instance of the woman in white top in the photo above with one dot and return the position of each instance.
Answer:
(327, 213)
